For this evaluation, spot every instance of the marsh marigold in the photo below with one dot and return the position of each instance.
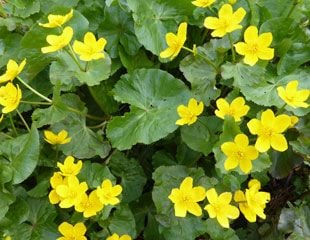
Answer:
(190, 112)
(255, 46)
(203, 3)
(186, 197)
(57, 20)
(239, 153)
(90, 204)
(12, 70)
(58, 42)
(115, 236)
(108, 194)
(69, 168)
(56, 180)
(90, 49)
(236, 109)
(59, 138)
(70, 232)
(10, 97)
(293, 97)
(227, 21)
(220, 207)
(175, 42)
(253, 202)
(269, 131)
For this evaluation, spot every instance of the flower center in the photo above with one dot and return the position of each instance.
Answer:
(253, 48)
(267, 132)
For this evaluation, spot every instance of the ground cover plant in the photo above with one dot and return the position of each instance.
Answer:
(161, 119)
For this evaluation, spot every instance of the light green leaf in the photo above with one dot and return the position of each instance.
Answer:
(154, 96)
(25, 161)
(131, 173)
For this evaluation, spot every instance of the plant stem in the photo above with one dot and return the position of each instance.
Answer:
(23, 120)
(84, 114)
(281, 109)
(295, 3)
(86, 67)
(204, 57)
(34, 91)
(73, 56)
(6, 135)
(232, 48)
(98, 125)
(37, 103)
(57, 151)
(13, 125)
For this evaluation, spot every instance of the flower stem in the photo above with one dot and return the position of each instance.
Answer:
(295, 3)
(13, 125)
(85, 114)
(204, 57)
(34, 91)
(57, 152)
(23, 120)
(73, 56)
(86, 67)
(281, 109)
(37, 103)
(232, 48)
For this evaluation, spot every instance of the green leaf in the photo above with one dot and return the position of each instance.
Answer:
(6, 200)
(94, 174)
(27, 8)
(123, 221)
(277, 8)
(216, 232)
(284, 162)
(152, 21)
(201, 136)
(154, 96)
(117, 28)
(18, 212)
(6, 172)
(201, 75)
(131, 173)
(25, 161)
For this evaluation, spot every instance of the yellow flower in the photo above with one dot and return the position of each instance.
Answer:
(60, 138)
(175, 42)
(227, 22)
(239, 153)
(269, 131)
(108, 194)
(58, 42)
(186, 197)
(292, 96)
(89, 205)
(7, 238)
(69, 168)
(10, 97)
(117, 237)
(255, 46)
(253, 202)
(203, 3)
(294, 121)
(57, 20)
(220, 208)
(90, 49)
(232, 2)
(56, 180)
(190, 112)
(236, 109)
(12, 70)
(71, 193)
(70, 232)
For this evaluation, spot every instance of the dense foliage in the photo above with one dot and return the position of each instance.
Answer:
(161, 119)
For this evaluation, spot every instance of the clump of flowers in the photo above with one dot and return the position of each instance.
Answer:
(227, 21)
(190, 112)
(90, 49)
(237, 109)
(55, 139)
(255, 46)
(12, 70)
(253, 202)
(186, 197)
(175, 42)
(293, 97)
(239, 153)
(219, 207)
(269, 130)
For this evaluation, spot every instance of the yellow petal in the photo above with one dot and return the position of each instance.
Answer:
(265, 39)
(79, 229)
(211, 211)
(228, 148)
(302, 95)
(281, 123)
(230, 163)
(250, 59)
(268, 118)
(254, 126)
(223, 221)
(225, 197)
(212, 196)
(90, 39)
(245, 165)
(239, 196)
(241, 140)
(225, 11)
(262, 144)
(247, 212)
(241, 48)
(251, 34)
(167, 53)
(266, 53)
(211, 22)
(194, 209)
(278, 142)
(187, 184)
(182, 31)
(239, 15)
(232, 212)
(65, 229)
(180, 210)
